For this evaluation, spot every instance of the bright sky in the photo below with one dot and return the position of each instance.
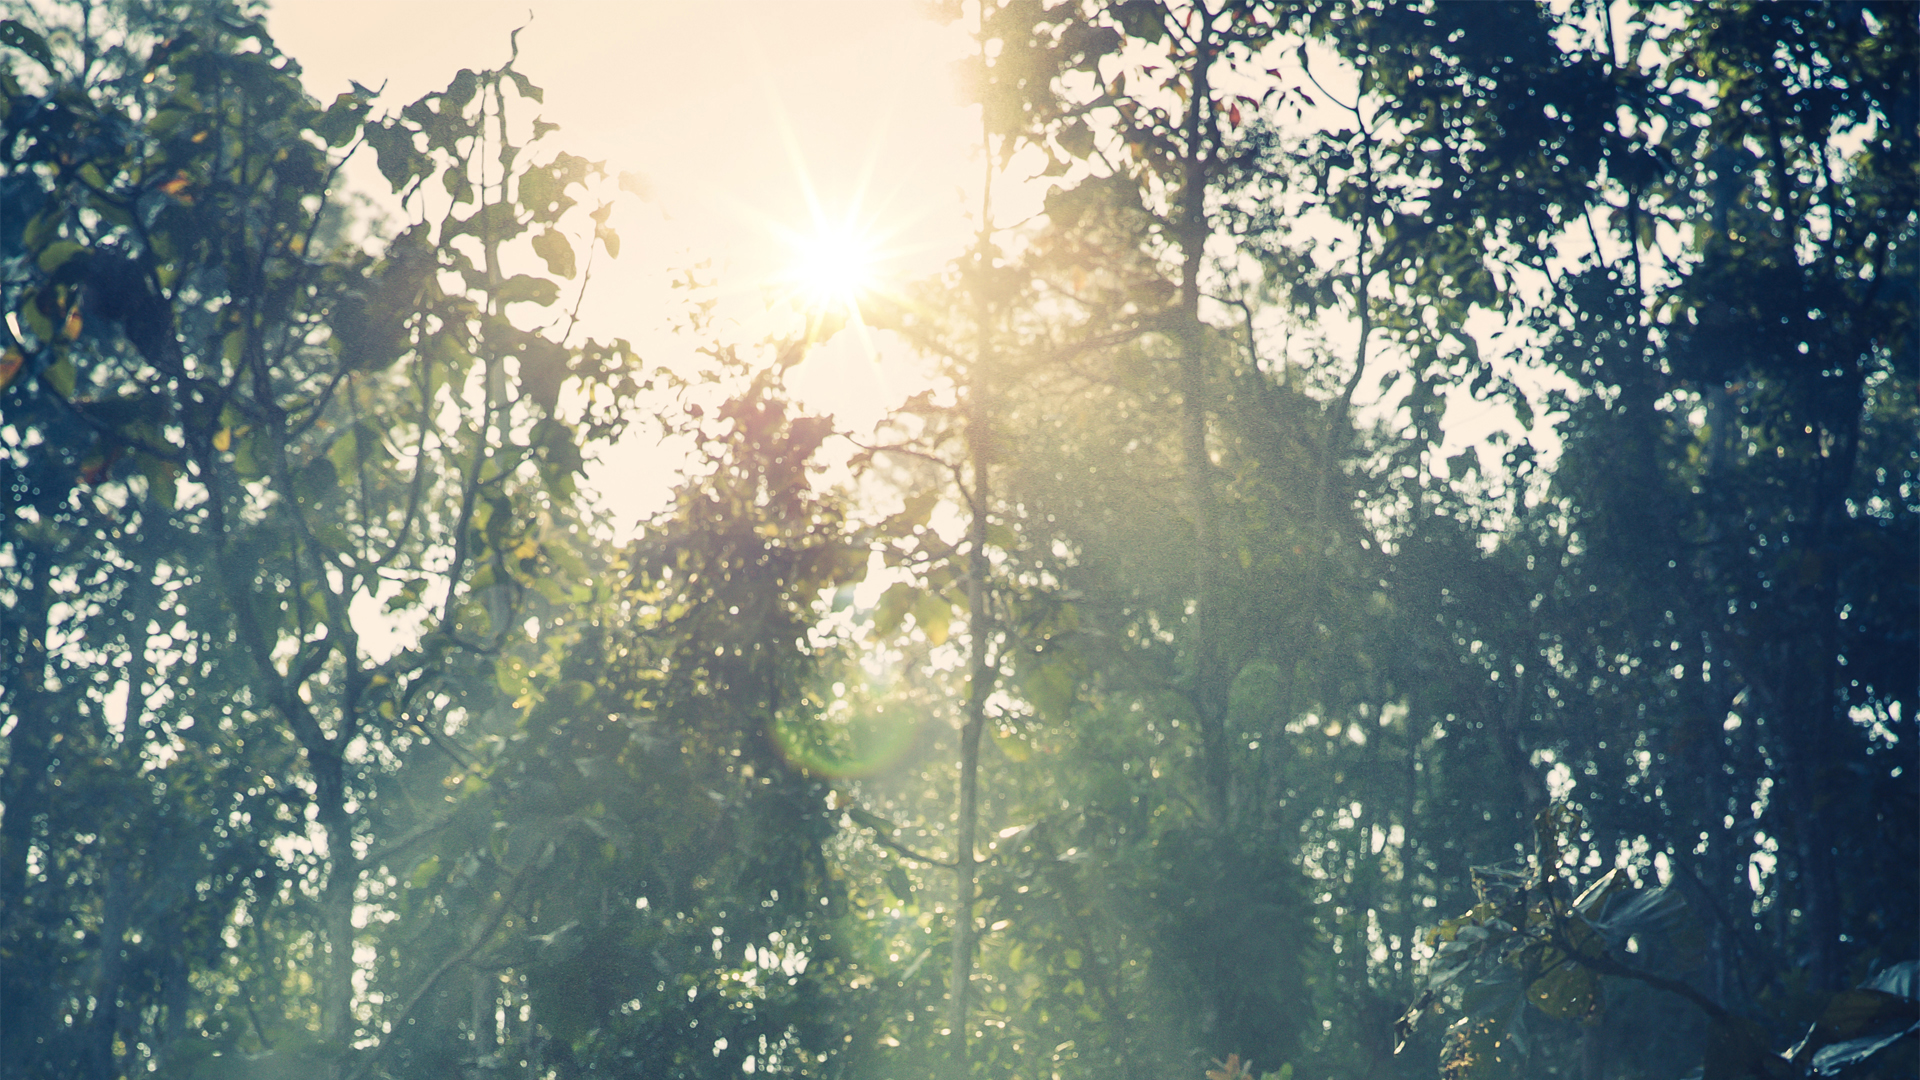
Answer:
(750, 120)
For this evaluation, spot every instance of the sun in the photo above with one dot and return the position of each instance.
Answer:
(833, 266)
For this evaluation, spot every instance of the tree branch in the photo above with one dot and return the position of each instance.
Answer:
(492, 923)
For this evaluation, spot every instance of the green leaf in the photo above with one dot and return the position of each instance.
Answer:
(344, 453)
(445, 350)
(543, 368)
(59, 376)
(510, 674)
(491, 224)
(1830, 1060)
(461, 90)
(556, 592)
(342, 119)
(557, 251)
(1141, 19)
(526, 87)
(1076, 138)
(408, 596)
(526, 289)
(1565, 991)
(57, 254)
(454, 179)
(1659, 910)
(1851, 1013)
(543, 190)
(934, 616)
(12, 33)
(557, 446)
(1090, 43)
(163, 486)
(1012, 745)
(899, 884)
(1497, 994)
(917, 512)
(893, 607)
(399, 160)
(1051, 687)
(317, 481)
(424, 873)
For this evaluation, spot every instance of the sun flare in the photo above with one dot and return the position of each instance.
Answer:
(833, 266)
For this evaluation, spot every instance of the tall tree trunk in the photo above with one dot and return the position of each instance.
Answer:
(1209, 677)
(29, 741)
(109, 969)
(29, 750)
(979, 628)
(336, 897)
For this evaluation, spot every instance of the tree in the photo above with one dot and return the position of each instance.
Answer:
(1538, 945)
(1265, 659)
(1681, 451)
(1216, 571)
(643, 856)
(1481, 144)
(1636, 619)
(272, 434)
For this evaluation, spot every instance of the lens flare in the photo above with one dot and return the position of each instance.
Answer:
(833, 266)
(850, 746)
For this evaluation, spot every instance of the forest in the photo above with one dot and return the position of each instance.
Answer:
(1175, 687)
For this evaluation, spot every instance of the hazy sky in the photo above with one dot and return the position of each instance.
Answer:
(725, 105)
(734, 110)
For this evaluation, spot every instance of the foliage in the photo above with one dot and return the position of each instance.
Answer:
(339, 740)
(261, 434)
(1532, 946)
(657, 885)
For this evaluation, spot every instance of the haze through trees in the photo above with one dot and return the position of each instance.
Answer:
(341, 740)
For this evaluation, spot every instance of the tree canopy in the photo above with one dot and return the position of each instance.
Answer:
(1182, 685)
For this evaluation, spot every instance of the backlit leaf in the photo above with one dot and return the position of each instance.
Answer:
(14, 34)
(554, 247)
(524, 288)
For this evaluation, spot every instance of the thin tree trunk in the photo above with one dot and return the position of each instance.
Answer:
(109, 971)
(336, 898)
(979, 627)
(28, 741)
(24, 793)
(1209, 690)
